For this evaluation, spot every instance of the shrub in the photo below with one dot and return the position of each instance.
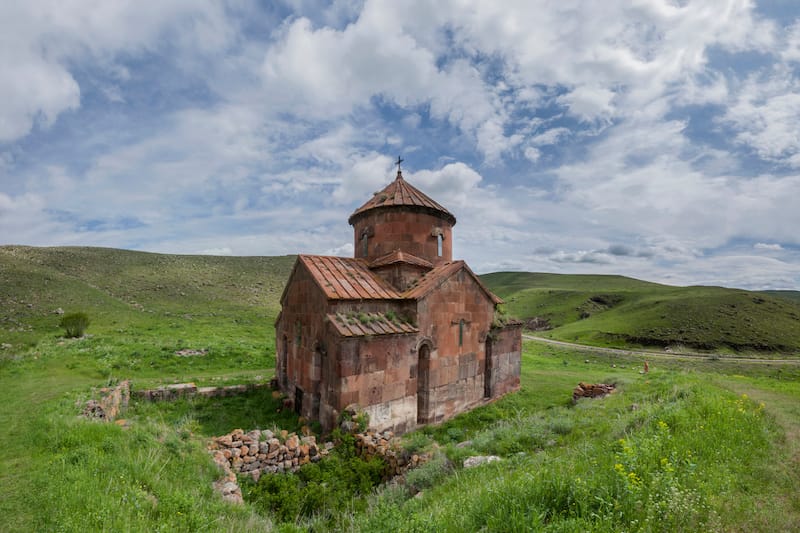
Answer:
(74, 324)
(416, 442)
(319, 489)
(427, 475)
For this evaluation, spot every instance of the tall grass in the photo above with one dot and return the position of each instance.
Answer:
(670, 451)
(155, 475)
(675, 463)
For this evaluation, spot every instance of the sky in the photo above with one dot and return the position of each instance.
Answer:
(649, 138)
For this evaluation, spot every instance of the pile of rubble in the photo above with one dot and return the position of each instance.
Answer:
(588, 390)
(383, 444)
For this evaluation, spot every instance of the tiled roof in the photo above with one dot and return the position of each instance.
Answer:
(401, 193)
(438, 275)
(346, 278)
(400, 257)
(361, 324)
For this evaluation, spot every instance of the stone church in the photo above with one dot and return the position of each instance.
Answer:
(401, 329)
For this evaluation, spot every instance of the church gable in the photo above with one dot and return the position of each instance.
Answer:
(433, 279)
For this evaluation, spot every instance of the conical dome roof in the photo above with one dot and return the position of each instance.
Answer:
(400, 193)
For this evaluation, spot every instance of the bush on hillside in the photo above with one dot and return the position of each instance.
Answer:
(74, 324)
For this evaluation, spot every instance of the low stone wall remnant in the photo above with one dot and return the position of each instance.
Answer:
(185, 390)
(111, 402)
(262, 452)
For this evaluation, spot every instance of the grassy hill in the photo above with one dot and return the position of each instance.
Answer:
(154, 301)
(789, 295)
(620, 311)
(140, 297)
(690, 446)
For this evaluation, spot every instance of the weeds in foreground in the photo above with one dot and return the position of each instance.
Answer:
(670, 451)
(667, 466)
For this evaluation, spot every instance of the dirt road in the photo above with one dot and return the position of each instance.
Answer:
(685, 356)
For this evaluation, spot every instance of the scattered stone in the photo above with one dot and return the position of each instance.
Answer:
(93, 409)
(587, 390)
(471, 462)
(350, 418)
(191, 353)
(231, 492)
(371, 444)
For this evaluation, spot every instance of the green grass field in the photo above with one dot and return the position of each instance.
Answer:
(692, 446)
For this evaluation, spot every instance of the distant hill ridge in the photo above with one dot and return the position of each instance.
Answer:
(620, 311)
(121, 286)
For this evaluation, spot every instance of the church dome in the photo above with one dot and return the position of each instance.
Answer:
(401, 194)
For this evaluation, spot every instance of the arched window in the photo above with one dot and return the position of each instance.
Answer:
(439, 241)
(423, 377)
(284, 361)
(364, 244)
(461, 332)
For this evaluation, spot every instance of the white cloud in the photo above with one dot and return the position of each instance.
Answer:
(765, 114)
(578, 127)
(345, 250)
(455, 184)
(766, 246)
(365, 175)
(791, 51)
(551, 136)
(532, 154)
(39, 40)
(589, 103)
(225, 250)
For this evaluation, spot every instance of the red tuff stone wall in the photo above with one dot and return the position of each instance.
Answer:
(451, 381)
(377, 374)
(401, 276)
(297, 336)
(504, 366)
(323, 372)
(411, 232)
